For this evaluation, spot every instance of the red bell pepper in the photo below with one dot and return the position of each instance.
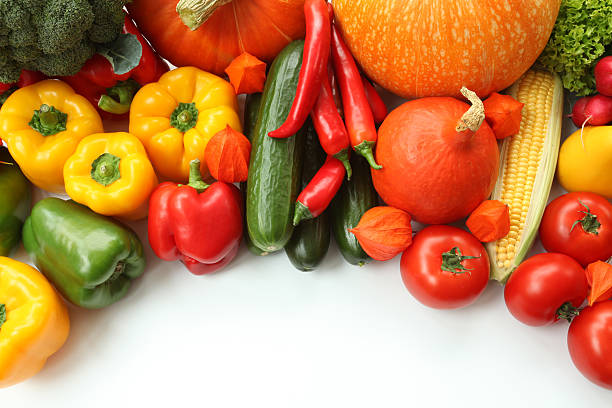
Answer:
(197, 223)
(26, 78)
(113, 93)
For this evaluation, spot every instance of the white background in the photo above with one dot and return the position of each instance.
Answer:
(261, 334)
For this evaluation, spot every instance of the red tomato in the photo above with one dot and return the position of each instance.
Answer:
(422, 267)
(542, 284)
(578, 225)
(589, 340)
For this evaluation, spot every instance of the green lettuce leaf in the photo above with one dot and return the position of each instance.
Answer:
(580, 37)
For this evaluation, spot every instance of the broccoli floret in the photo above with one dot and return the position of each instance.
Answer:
(9, 70)
(55, 37)
(108, 21)
(67, 63)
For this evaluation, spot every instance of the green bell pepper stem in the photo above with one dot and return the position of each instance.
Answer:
(90, 259)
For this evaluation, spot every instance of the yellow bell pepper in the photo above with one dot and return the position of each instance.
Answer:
(177, 116)
(42, 125)
(585, 161)
(111, 174)
(34, 321)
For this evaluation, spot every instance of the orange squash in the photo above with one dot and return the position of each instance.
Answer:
(260, 27)
(439, 158)
(418, 48)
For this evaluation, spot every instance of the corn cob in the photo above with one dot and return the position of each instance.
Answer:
(527, 168)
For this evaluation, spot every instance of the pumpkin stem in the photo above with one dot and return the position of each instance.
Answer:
(194, 13)
(473, 118)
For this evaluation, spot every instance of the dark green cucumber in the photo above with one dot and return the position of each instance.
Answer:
(251, 110)
(310, 240)
(275, 166)
(352, 201)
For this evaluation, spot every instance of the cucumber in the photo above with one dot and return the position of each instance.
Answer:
(355, 197)
(275, 166)
(310, 240)
(251, 110)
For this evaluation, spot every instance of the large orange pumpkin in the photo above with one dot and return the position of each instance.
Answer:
(418, 48)
(259, 27)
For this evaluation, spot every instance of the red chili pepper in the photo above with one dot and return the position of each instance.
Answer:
(377, 105)
(25, 78)
(330, 128)
(198, 224)
(314, 66)
(113, 93)
(357, 112)
(319, 192)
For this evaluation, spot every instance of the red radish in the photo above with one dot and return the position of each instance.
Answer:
(578, 116)
(598, 110)
(603, 76)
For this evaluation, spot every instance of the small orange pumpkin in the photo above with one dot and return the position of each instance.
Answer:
(260, 27)
(439, 158)
(418, 48)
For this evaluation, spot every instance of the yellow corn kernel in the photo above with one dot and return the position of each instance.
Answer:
(525, 170)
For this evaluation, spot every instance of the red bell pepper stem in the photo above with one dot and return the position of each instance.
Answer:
(379, 109)
(195, 176)
(330, 128)
(314, 67)
(319, 192)
(357, 112)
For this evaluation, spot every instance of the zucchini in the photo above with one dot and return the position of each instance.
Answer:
(310, 240)
(275, 166)
(355, 197)
(251, 110)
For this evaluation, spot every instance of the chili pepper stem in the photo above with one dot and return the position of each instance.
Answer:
(301, 213)
(195, 176)
(365, 149)
(343, 156)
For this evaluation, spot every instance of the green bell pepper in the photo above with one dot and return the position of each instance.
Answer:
(15, 202)
(91, 259)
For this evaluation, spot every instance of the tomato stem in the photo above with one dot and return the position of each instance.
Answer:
(451, 261)
(589, 222)
(567, 311)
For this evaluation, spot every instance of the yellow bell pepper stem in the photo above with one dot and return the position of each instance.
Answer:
(111, 174)
(34, 321)
(177, 116)
(42, 124)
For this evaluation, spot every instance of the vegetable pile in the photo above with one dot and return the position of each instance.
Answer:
(307, 156)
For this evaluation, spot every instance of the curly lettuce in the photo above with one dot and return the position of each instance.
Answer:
(582, 34)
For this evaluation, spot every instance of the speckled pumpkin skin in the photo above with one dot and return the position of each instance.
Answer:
(430, 170)
(418, 48)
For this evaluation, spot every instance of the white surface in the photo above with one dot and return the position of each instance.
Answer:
(261, 334)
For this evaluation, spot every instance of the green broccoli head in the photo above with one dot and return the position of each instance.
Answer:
(55, 37)
(108, 20)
